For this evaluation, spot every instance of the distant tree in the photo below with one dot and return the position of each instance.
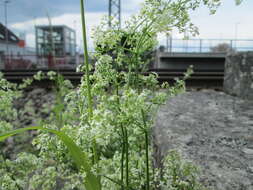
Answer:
(222, 48)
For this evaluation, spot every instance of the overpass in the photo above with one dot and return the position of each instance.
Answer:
(203, 54)
(204, 62)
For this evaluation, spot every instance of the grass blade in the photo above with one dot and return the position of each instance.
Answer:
(81, 160)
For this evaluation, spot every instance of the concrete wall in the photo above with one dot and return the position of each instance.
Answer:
(238, 78)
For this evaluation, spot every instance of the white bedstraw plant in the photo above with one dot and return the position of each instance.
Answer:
(106, 143)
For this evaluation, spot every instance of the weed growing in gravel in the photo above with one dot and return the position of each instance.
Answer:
(102, 130)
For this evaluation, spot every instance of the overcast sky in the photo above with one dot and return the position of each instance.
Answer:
(24, 14)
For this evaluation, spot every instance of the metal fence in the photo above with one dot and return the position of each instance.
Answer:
(206, 45)
(26, 62)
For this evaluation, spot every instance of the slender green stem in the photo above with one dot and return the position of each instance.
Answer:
(88, 83)
(116, 182)
(123, 141)
(123, 47)
(147, 161)
(59, 101)
(135, 30)
(146, 150)
(94, 149)
(124, 147)
(122, 159)
(87, 69)
(127, 159)
(137, 54)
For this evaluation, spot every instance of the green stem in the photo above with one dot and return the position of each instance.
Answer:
(137, 53)
(87, 69)
(88, 83)
(123, 141)
(127, 159)
(147, 162)
(94, 149)
(146, 150)
(59, 101)
(122, 159)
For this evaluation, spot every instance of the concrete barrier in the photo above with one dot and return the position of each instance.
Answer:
(238, 77)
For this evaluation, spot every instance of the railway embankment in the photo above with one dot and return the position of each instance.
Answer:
(214, 130)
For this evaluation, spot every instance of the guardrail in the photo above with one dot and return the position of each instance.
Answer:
(206, 45)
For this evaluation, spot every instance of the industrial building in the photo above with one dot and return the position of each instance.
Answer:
(10, 45)
(55, 46)
(57, 40)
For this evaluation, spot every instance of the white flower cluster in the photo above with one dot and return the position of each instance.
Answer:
(110, 115)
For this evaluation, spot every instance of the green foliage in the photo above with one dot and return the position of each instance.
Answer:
(80, 158)
(178, 174)
(8, 93)
(103, 128)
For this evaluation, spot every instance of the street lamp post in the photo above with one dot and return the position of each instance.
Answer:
(169, 42)
(236, 31)
(6, 26)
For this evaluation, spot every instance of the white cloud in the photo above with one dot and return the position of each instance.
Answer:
(132, 5)
(221, 25)
(70, 20)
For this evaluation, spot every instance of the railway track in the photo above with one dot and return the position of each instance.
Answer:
(199, 79)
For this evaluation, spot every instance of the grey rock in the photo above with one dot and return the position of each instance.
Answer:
(32, 106)
(238, 77)
(248, 151)
(214, 131)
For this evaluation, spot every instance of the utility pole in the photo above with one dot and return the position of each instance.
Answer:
(6, 26)
(115, 11)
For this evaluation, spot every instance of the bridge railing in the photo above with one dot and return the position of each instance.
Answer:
(206, 45)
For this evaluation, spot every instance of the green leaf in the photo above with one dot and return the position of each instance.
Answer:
(238, 2)
(91, 182)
